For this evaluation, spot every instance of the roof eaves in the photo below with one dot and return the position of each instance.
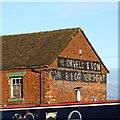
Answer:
(94, 50)
(28, 67)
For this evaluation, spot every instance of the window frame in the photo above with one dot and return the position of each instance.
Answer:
(12, 87)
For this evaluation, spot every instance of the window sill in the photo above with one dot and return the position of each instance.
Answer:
(16, 100)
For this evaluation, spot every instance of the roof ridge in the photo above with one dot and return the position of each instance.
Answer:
(40, 32)
(31, 47)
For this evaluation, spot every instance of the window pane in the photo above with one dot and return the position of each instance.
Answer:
(17, 81)
(21, 81)
(17, 88)
(21, 91)
(13, 81)
(16, 91)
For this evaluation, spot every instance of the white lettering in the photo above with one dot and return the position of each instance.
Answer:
(66, 75)
(62, 62)
(59, 75)
(95, 67)
(71, 63)
(82, 64)
(74, 64)
(97, 78)
(92, 66)
(68, 65)
(75, 76)
(98, 66)
(79, 76)
(88, 67)
(77, 64)
(71, 76)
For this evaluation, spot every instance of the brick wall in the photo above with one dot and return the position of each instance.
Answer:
(31, 88)
(65, 89)
(71, 51)
(53, 90)
(49, 89)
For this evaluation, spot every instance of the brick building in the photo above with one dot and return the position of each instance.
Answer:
(47, 66)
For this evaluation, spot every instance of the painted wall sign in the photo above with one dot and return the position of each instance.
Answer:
(78, 64)
(67, 75)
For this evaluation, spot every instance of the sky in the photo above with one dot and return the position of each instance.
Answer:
(98, 20)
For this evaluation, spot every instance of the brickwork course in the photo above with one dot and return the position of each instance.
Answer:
(36, 54)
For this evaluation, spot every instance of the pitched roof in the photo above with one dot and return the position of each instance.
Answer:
(34, 49)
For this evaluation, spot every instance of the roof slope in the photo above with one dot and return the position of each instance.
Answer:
(34, 49)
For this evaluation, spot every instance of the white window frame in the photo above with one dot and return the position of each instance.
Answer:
(12, 96)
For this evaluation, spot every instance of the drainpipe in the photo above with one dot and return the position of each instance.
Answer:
(39, 71)
(40, 87)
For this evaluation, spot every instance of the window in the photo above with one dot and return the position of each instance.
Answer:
(17, 87)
